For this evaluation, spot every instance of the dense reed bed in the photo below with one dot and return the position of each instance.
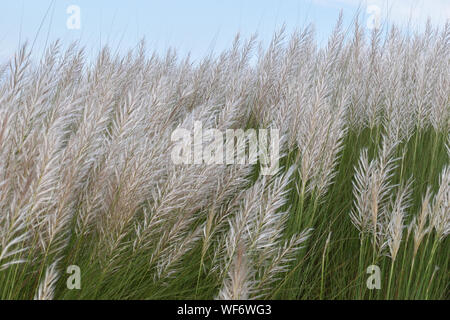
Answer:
(87, 179)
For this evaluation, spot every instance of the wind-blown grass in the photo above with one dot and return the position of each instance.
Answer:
(86, 176)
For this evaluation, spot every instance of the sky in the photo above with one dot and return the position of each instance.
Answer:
(195, 26)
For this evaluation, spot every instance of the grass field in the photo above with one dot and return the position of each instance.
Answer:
(87, 179)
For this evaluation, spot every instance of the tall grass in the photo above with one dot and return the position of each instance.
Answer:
(86, 176)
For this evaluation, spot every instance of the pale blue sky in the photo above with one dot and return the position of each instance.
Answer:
(195, 25)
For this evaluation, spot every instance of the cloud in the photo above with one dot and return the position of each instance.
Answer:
(401, 11)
